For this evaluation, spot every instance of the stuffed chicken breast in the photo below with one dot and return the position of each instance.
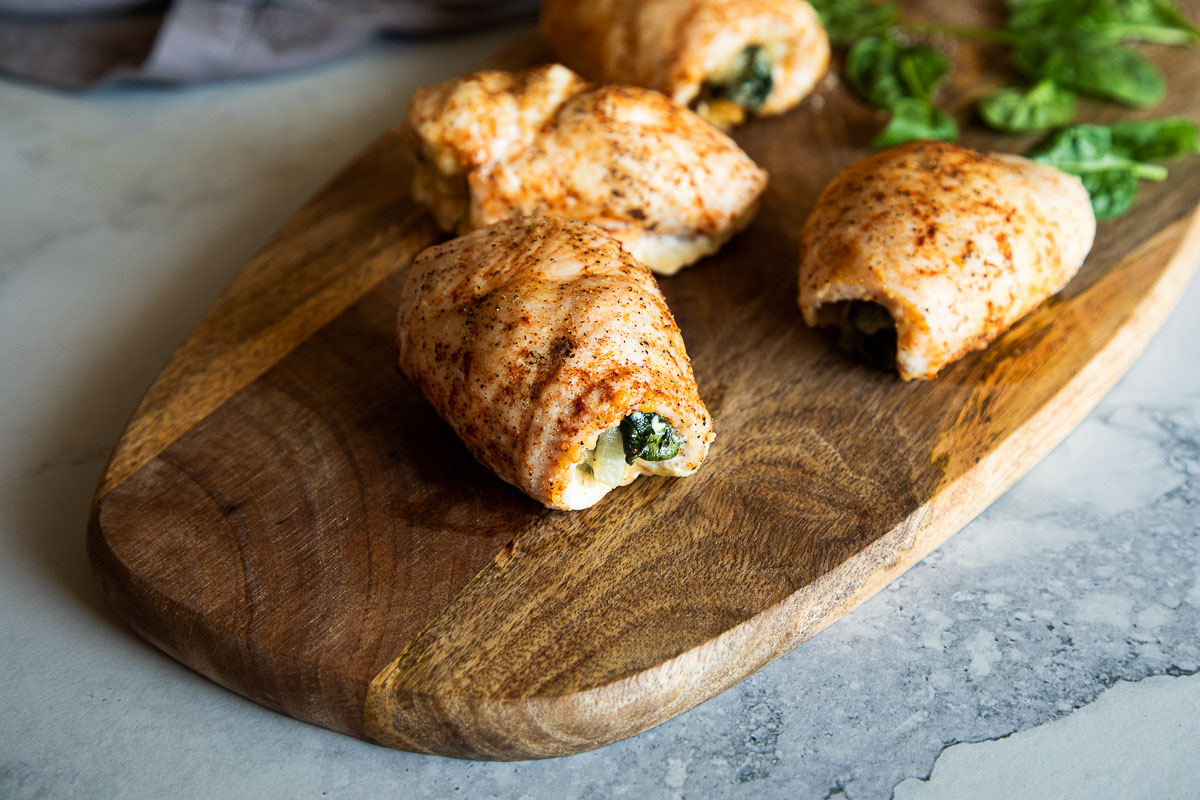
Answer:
(723, 58)
(927, 251)
(553, 355)
(668, 185)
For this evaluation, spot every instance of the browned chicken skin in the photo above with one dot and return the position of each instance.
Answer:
(955, 246)
(535, 336)
(668, 185)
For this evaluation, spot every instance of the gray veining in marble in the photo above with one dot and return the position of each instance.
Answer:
(1103, 733)
(1033, 631)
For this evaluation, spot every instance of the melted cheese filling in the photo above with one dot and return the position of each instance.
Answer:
(585, 488)
(666, 254)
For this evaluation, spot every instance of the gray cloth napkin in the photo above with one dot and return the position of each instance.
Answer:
(75, 44)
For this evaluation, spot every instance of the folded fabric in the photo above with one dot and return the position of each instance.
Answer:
(75, 44)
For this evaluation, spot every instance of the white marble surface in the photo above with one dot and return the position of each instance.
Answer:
(1061, 629)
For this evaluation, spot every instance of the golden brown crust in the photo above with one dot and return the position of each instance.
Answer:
(533, 336)
(672, 46)
(666, 183)
(470, 122)
(957, 246)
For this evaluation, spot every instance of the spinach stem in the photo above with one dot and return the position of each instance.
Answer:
(987, 35)
(1147, 172)
(1155, 34)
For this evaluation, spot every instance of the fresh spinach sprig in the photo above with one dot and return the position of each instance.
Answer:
(1074, 44)
(1112, 159)
(884, 73)
(903, 80)
(1078, 44)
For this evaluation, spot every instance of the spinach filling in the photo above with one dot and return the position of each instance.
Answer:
(648, 437)
(746, 81)
(868, 332)
(645, 436)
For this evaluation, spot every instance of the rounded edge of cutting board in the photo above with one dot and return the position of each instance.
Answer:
(424, 701)
(275, 303)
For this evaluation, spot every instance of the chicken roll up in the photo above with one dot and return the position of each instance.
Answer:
(927, 251)
(724, 58)
(668, 185)
(552, 354)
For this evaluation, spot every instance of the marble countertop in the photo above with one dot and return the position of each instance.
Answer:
(1048, 650)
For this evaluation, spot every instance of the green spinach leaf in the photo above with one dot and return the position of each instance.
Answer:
(1155, 139)
(1040, 108)
(871, 71)
(1112, 192)
(846, 21)
(913, 118)
(1084, 149)
(1157, 21)
(922, 69)
(648, 437)
(1091, 64)
(1111, 159)
(884, 73)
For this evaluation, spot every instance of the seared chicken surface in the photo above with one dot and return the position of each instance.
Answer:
(724, 58)
(668, 185)
(552, 354)
(954, 246)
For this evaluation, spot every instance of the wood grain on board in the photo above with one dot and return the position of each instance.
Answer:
(287, 516)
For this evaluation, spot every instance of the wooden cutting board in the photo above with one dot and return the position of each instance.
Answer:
(287, 516)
